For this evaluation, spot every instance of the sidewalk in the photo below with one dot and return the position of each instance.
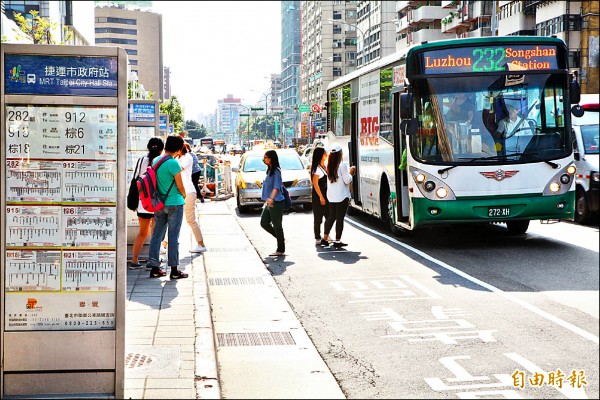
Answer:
(225, 332)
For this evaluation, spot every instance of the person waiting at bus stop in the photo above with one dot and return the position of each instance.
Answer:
(171, 216)
(320, 204)
(196, 172)
(338, 193)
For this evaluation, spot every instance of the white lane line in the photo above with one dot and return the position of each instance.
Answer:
(516, 300)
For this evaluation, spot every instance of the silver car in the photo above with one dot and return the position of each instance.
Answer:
(251, 172)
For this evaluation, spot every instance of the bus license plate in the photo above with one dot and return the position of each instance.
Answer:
(495, 212)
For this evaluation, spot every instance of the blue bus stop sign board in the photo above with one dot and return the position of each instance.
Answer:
(162, 122)
(141, 112)
(60, 75)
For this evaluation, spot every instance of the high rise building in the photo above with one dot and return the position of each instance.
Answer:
(375, 22)
(275, 91)
(421, 21)
(328, 51)
(290, 62)
(469, 18)
(140, 34)
(74, 16)
(228, 117)
(290, 53)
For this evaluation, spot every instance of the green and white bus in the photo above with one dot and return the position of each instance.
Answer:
(433, 138)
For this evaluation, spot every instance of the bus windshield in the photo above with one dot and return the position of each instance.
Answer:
(490, 119)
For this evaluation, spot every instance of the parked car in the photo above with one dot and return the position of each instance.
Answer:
(251, 172)
(586, 159)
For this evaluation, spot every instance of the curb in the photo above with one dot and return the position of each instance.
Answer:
(206, 377)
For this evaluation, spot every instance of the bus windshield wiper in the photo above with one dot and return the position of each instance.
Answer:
(471, 160)
(499, 157)
(535, 157)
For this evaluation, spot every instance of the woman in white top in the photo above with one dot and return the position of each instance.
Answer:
(186, 161)
(155, 148)
(339, 178)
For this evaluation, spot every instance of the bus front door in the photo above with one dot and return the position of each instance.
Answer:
(401, 176)
(353, 154)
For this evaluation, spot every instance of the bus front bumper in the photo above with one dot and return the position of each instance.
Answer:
(494, 209)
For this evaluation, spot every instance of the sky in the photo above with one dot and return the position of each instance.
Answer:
(216, 48)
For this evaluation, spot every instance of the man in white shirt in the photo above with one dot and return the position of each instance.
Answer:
(507, 125)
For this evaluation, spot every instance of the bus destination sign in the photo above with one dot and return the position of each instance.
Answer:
(490, 59)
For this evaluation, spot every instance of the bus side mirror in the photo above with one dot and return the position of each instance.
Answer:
(574, 92)
(577, 111)
(408, 126)
(405, 103)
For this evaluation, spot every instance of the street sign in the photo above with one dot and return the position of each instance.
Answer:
(303, 108)
(315, 108)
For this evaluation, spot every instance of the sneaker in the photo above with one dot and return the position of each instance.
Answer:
(277, 254)
(178, 275)
(318, 241)
(198, 249)
(135, 265)
(324, 243)
(339, 245)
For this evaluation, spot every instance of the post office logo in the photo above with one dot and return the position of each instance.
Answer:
(32, 304)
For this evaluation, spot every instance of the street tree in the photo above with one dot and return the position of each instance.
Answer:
(173, 108)
(39, 29)
(194, 129)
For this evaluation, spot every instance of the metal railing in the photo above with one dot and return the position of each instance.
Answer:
(216, 180)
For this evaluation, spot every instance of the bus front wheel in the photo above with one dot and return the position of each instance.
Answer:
(517, 227)
(582, 212)
(387, 212)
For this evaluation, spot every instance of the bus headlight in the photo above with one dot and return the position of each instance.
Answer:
(560, 183)
(441, 193)
(429, 186)
(565, 178)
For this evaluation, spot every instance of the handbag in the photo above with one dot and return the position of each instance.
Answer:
(133, 196)
(286, 195)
